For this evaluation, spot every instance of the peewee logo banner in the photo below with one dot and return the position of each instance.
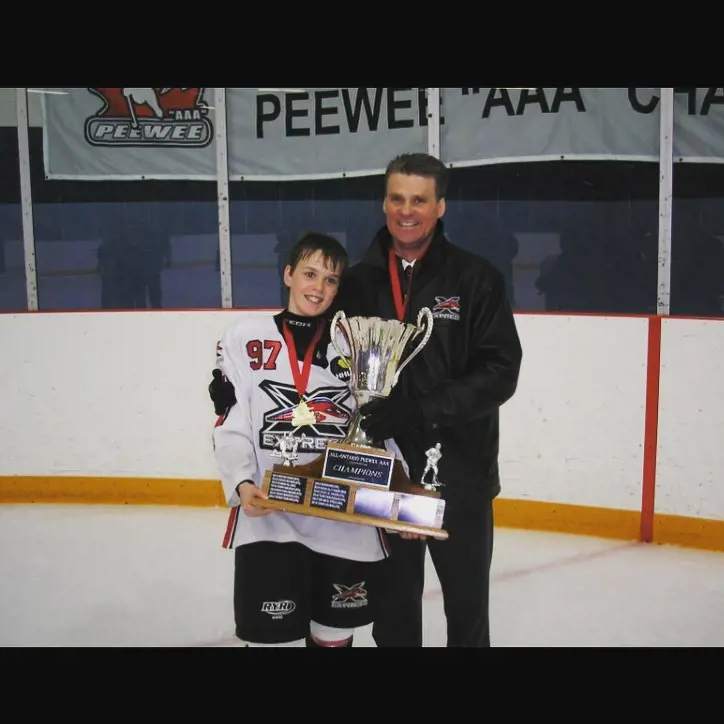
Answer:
(149, 117)
(129, 133)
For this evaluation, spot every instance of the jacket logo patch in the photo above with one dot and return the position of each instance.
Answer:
(446, 308)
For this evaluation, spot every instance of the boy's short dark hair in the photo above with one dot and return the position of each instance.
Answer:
(420, 164)
(334, 254)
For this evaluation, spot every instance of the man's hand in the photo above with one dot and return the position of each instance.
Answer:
(412, 536)
(389, 416)
(221, 392)
(247, 493)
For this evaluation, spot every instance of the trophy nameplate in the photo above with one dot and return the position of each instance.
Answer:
(397, 505)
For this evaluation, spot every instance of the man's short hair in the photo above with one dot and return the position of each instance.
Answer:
(420, 164)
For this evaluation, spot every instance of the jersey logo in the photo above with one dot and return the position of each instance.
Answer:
(340, 368)
(327, 403)
(446, 308)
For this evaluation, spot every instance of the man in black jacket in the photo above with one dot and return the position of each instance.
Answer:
(450, 394)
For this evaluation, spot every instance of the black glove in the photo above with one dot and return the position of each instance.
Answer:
(390, 416)
(221, 392)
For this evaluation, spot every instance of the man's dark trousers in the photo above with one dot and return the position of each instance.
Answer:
(462, 563)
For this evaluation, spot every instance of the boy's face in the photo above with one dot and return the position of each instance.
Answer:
(313, 285)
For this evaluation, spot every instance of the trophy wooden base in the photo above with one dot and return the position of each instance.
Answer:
(320, 490)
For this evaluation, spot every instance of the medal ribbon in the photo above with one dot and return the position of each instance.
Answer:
(400, 303)
(301, 377)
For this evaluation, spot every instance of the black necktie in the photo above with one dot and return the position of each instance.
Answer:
(408, 277)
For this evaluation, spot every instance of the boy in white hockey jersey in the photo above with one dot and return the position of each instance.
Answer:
(298, 580)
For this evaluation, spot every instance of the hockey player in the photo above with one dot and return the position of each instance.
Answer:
(298, 580)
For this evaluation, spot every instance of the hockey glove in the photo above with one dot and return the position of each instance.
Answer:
(390, 416)
(221, 392)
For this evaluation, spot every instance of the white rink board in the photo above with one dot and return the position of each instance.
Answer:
(690, 460)
(125, 394)
(109, 394)
(573, 433)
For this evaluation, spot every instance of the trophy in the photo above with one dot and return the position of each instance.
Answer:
(357, 480)
(376, 347)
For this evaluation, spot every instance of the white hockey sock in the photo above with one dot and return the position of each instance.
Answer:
(328, 636)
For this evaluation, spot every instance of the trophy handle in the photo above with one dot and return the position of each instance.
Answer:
(338, 317)
(426, 315)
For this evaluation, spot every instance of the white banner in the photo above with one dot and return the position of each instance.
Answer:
(292, 134)
(502, 125)
(322, 132)
(499, 125)
(129, 134)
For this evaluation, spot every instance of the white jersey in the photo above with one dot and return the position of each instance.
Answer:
(253, 356)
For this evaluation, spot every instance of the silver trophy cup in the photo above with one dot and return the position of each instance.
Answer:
(375, 348)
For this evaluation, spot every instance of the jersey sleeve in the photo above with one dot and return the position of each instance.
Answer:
(233, 436)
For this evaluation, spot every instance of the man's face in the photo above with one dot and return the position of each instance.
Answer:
(412, 210)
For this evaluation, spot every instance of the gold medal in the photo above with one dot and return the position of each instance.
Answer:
(303, 415)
